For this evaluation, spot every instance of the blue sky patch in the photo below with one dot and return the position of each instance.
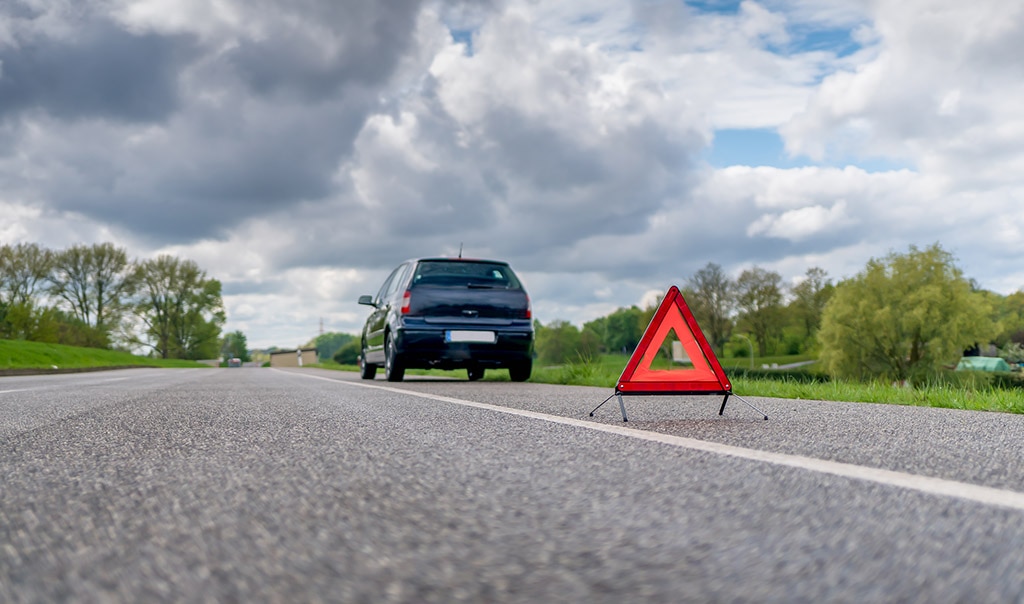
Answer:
(750, 147)
(722, 7)
(804, 37)
(463, 36)
(838, 41)
(764, 147)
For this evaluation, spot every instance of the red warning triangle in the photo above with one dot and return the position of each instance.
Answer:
(706, 374)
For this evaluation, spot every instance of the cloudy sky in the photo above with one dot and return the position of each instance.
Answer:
(300, 149)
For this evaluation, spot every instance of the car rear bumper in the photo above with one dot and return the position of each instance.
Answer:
(426, 347)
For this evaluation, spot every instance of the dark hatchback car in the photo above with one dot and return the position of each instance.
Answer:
(449, 313)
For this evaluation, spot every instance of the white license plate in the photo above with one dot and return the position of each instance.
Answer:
(485, 337)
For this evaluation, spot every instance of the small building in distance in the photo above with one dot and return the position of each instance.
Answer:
(293, 358)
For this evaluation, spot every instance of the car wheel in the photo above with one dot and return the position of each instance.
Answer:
(367, 371)
(394, 369)
(475, 373)
(520, 372)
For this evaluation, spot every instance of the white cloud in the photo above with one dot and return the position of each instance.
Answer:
(797, 225)
(944, 71)
(13, 219)
(210, 19)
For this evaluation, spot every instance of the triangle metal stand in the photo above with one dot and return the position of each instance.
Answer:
(721, 410)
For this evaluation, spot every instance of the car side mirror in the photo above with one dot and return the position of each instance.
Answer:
(367, 300)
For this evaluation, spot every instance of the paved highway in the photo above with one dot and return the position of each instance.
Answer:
(308, 485)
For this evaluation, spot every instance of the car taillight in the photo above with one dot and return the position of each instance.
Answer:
(406, 302)
(529, 309)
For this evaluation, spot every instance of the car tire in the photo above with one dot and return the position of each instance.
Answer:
(394, 368)
(475, 373)
(367, 371)
(520, 372)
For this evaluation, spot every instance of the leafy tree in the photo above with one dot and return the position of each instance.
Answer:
(590, 343)
(903, 318)
(596, 328)
(623, 329)
(809, 299)
(759, 298)
(709, 294)
(1012, 353)
(25, 321)
(180, 308)
(235, 346)
(1011, 318)
(95, 282)
(349, 353)
(328, 344)
(198, 331)
(557, 343)
(73, 332)
(24, 268)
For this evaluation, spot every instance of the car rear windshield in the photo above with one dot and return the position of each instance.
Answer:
(464, 273)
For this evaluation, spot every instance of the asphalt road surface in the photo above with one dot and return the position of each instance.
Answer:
(306, 485)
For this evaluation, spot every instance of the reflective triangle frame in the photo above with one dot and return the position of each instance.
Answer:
(705, 377)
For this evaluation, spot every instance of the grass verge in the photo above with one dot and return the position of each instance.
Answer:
(22, 355)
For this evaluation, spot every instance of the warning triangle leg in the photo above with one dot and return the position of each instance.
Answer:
(622, 406)
(602, 404)
(745, 402)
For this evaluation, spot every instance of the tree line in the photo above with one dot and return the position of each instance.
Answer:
(905, 317)
(95, 296)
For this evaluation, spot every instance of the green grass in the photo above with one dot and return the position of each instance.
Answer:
(605, 370)
(945, 396)
(19, 354)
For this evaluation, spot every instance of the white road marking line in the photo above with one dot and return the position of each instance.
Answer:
(18, 390)
(922, 484)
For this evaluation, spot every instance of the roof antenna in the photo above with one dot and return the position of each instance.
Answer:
(460, 249)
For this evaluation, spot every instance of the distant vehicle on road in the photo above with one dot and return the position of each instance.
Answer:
(449, 313)
(235, 362)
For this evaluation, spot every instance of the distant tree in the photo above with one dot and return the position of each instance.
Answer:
(623, 329)
(597, 328)
(181, 309)
(902, 318)
(557, 343)
(26, 321)
(1011, 319)
(198, 331)
(349, 353)
(24, 269)
(95, 282)
(73, 332)
(809, 299)
(759, 298)
(328, 344)
(711, 297)
(590, 343)
(1012, 353)
(235, 346)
